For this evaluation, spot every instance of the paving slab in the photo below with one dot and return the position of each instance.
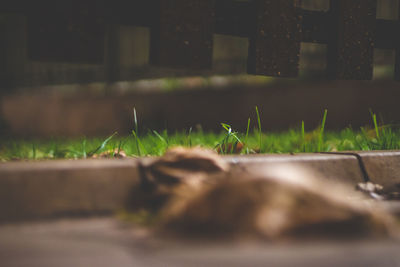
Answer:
(106, 242)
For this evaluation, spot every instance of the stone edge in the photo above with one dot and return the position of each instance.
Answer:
(95, 187)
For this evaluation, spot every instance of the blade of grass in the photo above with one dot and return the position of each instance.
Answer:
(375, 124)
(84, 154)
(303, 136)
(247, 137)
(139, 146)
(135, 133)
(259, 128)
(231, 133)
(112, 151)
(233, 147)
(190, 137)
(321, 130)
(227, 127)
(120, 144)
(33, 150)
(135, 119)
(227, 146)
(103, 145)
(161, 138)
(224, 142)
(383, 126)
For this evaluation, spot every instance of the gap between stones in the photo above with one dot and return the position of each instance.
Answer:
(359, 160)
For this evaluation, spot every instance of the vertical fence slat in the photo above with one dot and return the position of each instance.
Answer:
(397, 64)
(72, 31)
(233, 17)
(351, 47)
(275, 45)
(182, 35)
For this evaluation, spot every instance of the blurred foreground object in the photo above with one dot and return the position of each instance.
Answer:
(197, 196)
(179, 170)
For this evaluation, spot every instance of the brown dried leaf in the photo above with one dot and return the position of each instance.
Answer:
(111, 154)
(230, 149)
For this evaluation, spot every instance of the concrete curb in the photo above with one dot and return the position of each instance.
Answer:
(383, 167)
(30, 190)
(344, 168)
(37, 190)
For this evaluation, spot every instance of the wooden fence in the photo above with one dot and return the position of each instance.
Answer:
(182, 32)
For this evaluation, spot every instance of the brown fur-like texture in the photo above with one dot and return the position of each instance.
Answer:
(269, 208)
(188, 168)
(198, 196)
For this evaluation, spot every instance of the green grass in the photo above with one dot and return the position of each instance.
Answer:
(259, 129)
(153, 143)
(229, 142)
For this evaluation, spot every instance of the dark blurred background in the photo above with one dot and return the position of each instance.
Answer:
(46, 92)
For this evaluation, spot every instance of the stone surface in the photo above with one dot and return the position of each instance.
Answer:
(106, 242)
(68, 187)
(344, 168)
(383, 167)
(30, 190)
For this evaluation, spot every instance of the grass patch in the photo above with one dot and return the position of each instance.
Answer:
(228, 141)
(292, 141)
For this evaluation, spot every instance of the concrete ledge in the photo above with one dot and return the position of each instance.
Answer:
(48, 189)
(31, 190)
(383, 167)
(344, 168)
